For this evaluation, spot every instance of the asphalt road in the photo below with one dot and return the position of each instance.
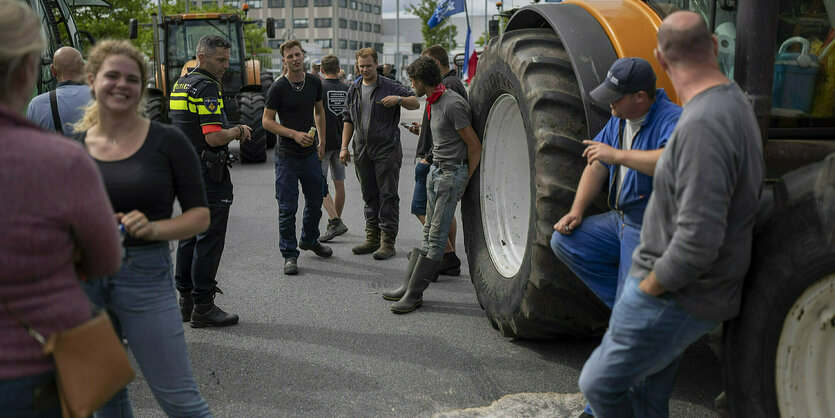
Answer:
(324, 343)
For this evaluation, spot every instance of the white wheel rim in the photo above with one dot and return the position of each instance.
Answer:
(505, 173)
(805, 364)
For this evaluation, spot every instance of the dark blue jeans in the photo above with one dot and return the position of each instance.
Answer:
(289, 172)
(30, 397)
(632, 372)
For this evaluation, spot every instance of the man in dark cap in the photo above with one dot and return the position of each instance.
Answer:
(598, 249)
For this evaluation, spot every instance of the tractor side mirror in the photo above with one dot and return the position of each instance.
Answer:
(270, 28)
(727, 5)
(493, 28)
(134, 28)
(89, 36)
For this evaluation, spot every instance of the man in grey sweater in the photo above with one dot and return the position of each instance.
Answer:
(687, 272)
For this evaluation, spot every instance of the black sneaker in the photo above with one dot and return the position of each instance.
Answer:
(291, 267)
(186, 306)
(450, 266)
(335, 229)
(321, 250)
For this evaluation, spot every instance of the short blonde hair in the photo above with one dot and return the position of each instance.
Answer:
(102, 51)
(19, 39)
(367, 52)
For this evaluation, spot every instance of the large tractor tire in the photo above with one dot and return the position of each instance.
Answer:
(528, 111)
(251, 110)
(267, 82)
(155, 107)
(779, 353)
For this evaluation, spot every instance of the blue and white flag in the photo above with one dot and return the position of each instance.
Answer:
(445, 9)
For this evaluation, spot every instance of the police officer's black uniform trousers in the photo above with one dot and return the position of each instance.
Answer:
(198, 258)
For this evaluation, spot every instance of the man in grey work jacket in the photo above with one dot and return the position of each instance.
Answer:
(372, 111)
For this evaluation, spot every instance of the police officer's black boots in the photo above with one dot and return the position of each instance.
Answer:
(425, 269)
(372, 241)
(386, 249)
(207, 314)
(186, 305)
(398, 293)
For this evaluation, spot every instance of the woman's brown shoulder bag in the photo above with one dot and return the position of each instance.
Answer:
(90, 363)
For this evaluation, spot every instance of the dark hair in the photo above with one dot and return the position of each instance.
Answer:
(367, 52)
(330, 64)
(439, 53)
(209, 43)
(650, 93)
(289, 44)
(425, 70)
(690, 44)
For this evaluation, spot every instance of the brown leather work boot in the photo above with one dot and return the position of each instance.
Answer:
(372, 241)
(386, 249)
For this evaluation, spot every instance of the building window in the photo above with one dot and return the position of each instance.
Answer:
(354, 5)
(376, 10)
(354, 45)
(300, 23)
(378, 47)
(275, 4)
(299, 3)
(343, 44)
(232, 3)
(353, 25)
(368, 44)
(274, 43)
(376, 28)
(323, 22)
(322, 3)
(368, 7)
(279, 24)
(343, 23)
(343, 3)
(324, 43)
(255, 4)
(367, 27)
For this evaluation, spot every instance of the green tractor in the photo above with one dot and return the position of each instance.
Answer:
(244, 85)
(59, 30)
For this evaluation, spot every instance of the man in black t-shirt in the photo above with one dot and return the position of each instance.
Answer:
(335, 93)
(196, 107)
(296, 98)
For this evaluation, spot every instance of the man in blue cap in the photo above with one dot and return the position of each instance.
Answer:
(598, 249)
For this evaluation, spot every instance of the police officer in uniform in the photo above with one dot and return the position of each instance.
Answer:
(196, 107)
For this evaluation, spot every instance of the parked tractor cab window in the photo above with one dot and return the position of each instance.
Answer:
(59, 30)
(803, 93)
(183, 37)
(804, 70)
